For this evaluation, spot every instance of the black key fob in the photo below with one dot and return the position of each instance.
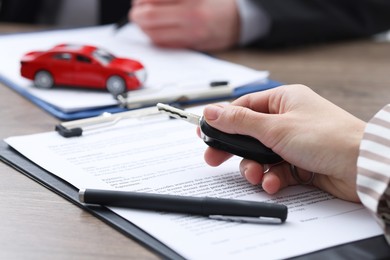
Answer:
(240, 145)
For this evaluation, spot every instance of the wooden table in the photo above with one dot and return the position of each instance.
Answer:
(38, 224)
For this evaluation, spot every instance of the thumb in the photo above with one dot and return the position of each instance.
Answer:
(238, 120)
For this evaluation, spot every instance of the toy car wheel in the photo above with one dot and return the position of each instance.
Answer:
(116, 85)
(43, 79)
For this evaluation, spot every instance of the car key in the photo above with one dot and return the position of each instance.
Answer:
(240, 145)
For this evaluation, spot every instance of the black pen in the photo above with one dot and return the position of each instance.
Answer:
(122, 22)
(216, 208)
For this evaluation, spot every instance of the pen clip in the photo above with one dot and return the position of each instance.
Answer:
(142, 98)
(245, 219)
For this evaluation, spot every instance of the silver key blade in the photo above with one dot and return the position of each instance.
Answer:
(179, 113)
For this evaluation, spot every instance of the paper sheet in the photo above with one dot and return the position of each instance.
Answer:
(166, 68)
(165, 156)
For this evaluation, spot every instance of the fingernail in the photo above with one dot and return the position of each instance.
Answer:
(243, 171)
(212, 112)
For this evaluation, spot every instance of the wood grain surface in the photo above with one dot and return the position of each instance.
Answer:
(38, 224)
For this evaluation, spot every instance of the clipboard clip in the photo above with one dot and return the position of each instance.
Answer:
(77, 127)
(139, 98)
(215, 90)
(245, 219)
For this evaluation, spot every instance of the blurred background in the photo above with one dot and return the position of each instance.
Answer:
(63, 13)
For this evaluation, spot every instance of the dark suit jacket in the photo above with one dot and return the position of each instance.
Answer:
(45, 11)
(298, 22)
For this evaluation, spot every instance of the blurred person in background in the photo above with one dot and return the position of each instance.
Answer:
(222, 24)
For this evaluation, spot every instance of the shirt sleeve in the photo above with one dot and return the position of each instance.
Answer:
(373, 168)
(255, 23)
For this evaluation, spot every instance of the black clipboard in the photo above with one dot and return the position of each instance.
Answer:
(371, 248)
(17, 161)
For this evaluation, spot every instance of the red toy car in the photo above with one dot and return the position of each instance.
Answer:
(82, 66)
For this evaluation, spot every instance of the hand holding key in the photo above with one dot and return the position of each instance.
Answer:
(305, 129)
(240, 145)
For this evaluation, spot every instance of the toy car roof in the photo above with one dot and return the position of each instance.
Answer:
(74, 48)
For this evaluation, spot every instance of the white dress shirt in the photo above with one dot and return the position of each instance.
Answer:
(255, 23)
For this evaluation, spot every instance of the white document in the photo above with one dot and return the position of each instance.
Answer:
(165, 156)
(167, 69)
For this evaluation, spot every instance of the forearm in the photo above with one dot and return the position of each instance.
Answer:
(374, 168)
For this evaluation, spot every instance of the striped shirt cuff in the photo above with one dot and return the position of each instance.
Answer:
(373, 165)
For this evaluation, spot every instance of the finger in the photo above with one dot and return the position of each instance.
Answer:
(280, 177)
(272, 181)
(212, 156)
(156, 2)
(215, 157)
(179, 36)
(241, 120)
(274, 101)
(157, 16)
(253, 172)
(198, 132)
(169, 36)
(277, 178)
(263, 101)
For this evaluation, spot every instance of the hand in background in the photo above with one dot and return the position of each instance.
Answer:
(195, 24)
(305, 129)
